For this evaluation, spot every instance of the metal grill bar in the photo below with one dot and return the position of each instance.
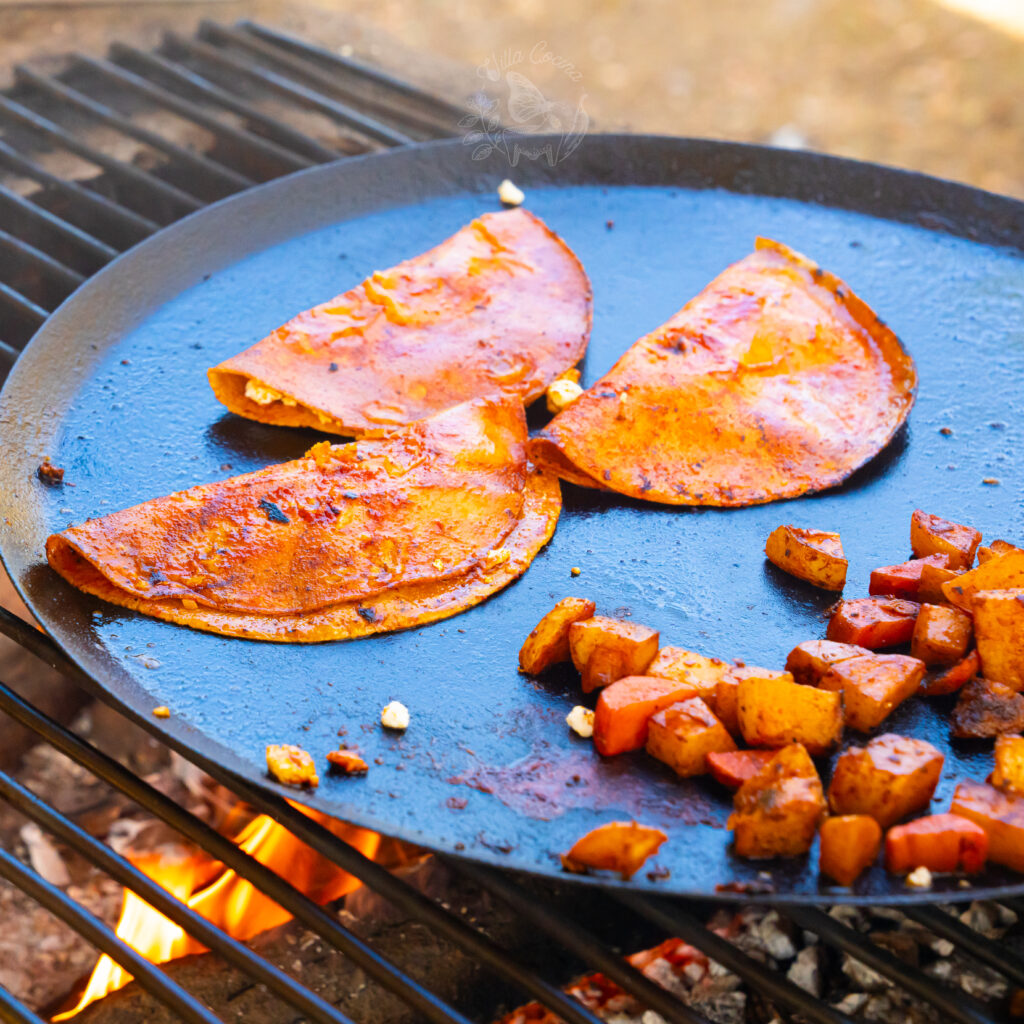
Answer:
(223, 850)
(14, 1012)
(374, 132)
(25, 308)
(128, 174)
(126, 221)
(156, 896)
(674, 920)
(956, 1005)
(90, 927)
(156, 65)
(69, 279)
(263, 149)
(323, 81)
(448, 113)
(229, 179)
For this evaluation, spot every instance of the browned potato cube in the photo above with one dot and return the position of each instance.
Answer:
(809, 661)
(999, 626)
(1000, 814)
(890, 777)
(1006, 572)
(604, 650)
(985, 709)
(548, 643)
(684, 734)
(811, 555)
(622, 846)
(690, 667)
(849, 844)
(995, 549)
(929, 589)
(777, 812)
(1008, 774)
(932, 535)
(724, 703)
(873, 686)
(777, 712)
(942, 635)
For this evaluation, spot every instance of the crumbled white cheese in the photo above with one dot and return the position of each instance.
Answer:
(920, 878)
(263, 395)
(561, 394)
(510, 194)
(395, 716)
(581, 721)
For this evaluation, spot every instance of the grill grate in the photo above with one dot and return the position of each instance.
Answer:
(89, 166)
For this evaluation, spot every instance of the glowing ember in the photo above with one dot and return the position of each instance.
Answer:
(223, 898)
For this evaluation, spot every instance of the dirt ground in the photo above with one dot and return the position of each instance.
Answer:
(907, 82)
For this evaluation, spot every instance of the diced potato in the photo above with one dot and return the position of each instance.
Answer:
(986, 709)
(733, 767)
(873, 686)
(941, 635)
(999, 625)
(942, 842)
(1008, 774)
(953, 678)
(848, 845)
(689, 667)
(995, 549)
(1006, 572)
(932, 535)
(809, 661)
(777, 812)
(814, 556)
(291, 765)
(604, 650)
(683, 735)
(548, 643)
(929, 589)
(1001, 815)
(725, 704)
(622, 846)
(904, 579)
(625, 708)
(777, 712)
(887, 779)
(873, 622)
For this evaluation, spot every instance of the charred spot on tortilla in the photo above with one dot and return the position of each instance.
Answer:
(501, 308)
(775, 381)
(442, 514)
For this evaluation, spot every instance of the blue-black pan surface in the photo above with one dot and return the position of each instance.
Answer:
(114, 390)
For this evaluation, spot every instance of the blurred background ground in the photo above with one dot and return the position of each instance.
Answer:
(935, 85)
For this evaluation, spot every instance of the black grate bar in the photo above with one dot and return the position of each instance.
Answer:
(326, 81)
(674, 920)
(374, 132)
(26, 308)
(596, 955)
(988, 951)
(67, 278)
(14, 1012)
(99, 251)
(137, 226)
(92, 928)
(8, 357)
(156, 66)
(263, 149)
(447, 112)
(122, 871)
(407, 899)
(230, 179)
(125, 172)
(222, 849)
(954, 1004)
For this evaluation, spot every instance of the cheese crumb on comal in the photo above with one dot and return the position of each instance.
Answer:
(920, 878)
(395, 716)
(581, 721)
(510, 194)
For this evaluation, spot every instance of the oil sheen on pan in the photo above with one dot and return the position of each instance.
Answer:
(774, 381)
(500, 308)
(380, 534)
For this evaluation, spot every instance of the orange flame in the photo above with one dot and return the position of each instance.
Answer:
(219, 895)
